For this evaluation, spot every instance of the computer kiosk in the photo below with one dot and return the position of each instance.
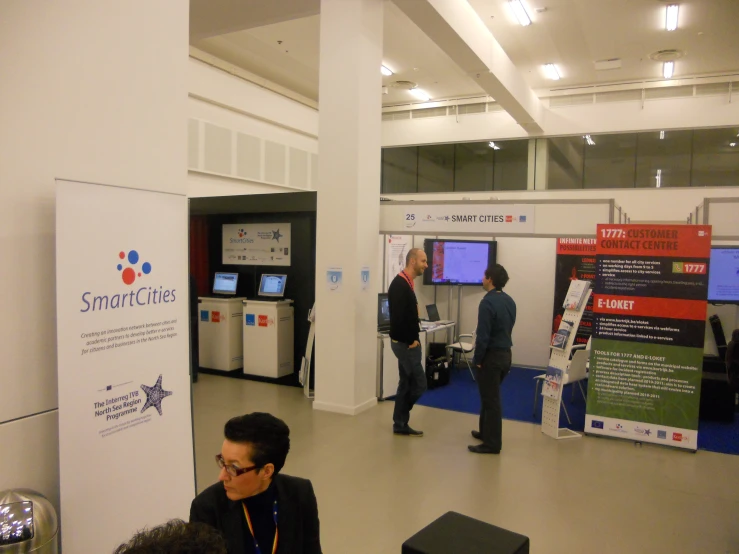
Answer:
(219, 325)
(268, 330)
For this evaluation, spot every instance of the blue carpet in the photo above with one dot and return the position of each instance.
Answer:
(461, 395)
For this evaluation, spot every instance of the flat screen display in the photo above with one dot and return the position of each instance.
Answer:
(272, 285)
(723, 275)
(383, 311)
(458, 262)
(225, 283)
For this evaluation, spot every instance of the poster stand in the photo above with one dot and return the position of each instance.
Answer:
(560, 359)
(304, 375)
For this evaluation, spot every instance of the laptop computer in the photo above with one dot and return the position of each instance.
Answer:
(433, 313)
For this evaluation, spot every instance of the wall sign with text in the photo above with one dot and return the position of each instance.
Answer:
(256, 244)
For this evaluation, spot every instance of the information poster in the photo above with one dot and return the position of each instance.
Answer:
(256, 244)
(123, 362)
(647, 350)
(396, 248)
(575, 261)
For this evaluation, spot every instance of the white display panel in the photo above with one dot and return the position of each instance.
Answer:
(125, 422)
(256, 244)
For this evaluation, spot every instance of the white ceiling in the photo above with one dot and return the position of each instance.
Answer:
(571, 33)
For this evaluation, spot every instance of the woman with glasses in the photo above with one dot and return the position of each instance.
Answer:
(257, 509)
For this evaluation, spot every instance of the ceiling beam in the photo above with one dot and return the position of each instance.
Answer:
(457, 29)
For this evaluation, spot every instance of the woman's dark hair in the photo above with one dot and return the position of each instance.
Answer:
(498, 274)
(268, 436)
(175, 537)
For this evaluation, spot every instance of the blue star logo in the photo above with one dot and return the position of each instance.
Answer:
(154, 396)
(276, 235)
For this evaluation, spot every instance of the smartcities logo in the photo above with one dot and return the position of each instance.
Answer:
(242, 233)
(129, 273)
(130, 269)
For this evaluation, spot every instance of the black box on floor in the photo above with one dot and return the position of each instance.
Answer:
(437, 372)
(454, 533)
(436, 350)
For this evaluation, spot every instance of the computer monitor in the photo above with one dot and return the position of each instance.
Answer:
(272, 285)
(225, 283)
(383, 312)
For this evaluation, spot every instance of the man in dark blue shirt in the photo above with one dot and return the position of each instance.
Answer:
(495, 320)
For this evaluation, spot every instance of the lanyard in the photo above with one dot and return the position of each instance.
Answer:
(251, 529)
(408, 280)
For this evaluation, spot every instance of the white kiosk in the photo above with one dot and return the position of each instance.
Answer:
(219, 325)
(268, 330)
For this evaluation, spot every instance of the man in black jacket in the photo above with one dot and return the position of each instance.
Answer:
(405, 341)
(255, 507)
(495, 320)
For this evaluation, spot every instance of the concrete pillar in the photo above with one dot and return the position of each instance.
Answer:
(349, 142)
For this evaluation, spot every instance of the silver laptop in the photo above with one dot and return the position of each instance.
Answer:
(433, 313)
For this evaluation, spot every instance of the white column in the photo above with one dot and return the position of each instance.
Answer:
(349, 141)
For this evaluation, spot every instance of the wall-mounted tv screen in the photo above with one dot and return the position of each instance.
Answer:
(458, 262)
(723, 275)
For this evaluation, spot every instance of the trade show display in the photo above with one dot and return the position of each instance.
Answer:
(268, 332)
(220, 339)
(723, 275)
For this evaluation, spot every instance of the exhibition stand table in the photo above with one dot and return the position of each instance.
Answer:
(268, 330)
(219, 333)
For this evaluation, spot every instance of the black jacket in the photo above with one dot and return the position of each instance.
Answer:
(403, 311)
(297, 517)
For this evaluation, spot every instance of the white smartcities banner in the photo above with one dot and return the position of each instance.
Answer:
(125, 423)
(256, 244)
(481, 219)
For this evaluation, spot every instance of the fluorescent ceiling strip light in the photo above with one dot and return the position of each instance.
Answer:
(385, 71)
(661, 135)
(659, 178)
(589, 140)
(420, 94)
(668, 69)
(671, 12)
(520, 12)
(551, 70)
(494, 146)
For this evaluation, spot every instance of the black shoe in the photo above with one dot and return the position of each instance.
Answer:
(408, 432)
(477, 435)
(482, 449)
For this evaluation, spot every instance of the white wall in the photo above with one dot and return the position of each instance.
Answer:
(236, 105)
(612, 117)
(79, 100)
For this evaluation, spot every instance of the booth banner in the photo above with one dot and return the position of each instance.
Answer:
(482, 219)
(647, 350)
(125, 424)
(256, 244)
(575, 260)
(396, 248)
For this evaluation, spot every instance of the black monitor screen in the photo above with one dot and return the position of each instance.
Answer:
(383, 310)
(723, 275)
(458, 262)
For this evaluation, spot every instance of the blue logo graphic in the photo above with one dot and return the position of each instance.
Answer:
(204, 315)
(662, 435)
(596, 424)
(522, 219)
(250, 320)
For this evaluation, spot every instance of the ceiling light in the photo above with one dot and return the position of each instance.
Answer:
(671, 17)
(732, 144)
(494, 146)
(520, 12)
(659, 178)
(551, 70)
(668, 69)
(421, 95)
(385, 71)
(661, 135)
(589, 140)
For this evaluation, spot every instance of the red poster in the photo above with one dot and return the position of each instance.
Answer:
(666, 241)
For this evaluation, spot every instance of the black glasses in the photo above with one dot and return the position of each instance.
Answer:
(232, 470)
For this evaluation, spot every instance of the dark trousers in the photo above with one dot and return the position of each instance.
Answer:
(495, 366)
(412, 383)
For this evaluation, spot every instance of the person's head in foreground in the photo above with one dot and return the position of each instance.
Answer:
(175, 537)
(253, 452)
